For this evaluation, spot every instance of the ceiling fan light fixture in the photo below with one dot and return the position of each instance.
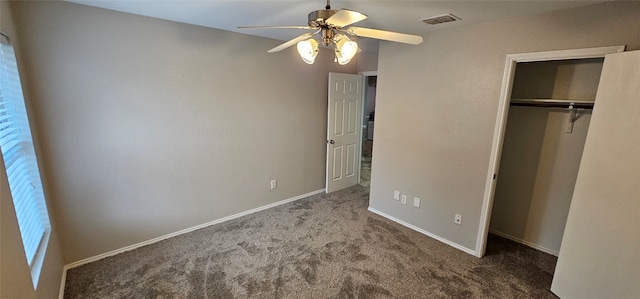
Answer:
(333, 26)
(308, 50)
(345, 49)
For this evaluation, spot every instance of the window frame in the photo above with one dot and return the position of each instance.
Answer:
(21, 165)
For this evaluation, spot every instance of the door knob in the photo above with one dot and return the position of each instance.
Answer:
(332, 141)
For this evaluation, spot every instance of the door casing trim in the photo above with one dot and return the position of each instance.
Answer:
(501, 122)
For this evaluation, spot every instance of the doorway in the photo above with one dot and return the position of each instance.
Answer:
(506, 100)
(368, 125)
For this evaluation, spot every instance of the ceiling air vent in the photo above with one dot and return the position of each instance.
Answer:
(440, 19)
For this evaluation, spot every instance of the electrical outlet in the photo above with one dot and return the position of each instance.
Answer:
(274, 184)
(458, 219)
(404, 200)
(396, 195)
(416, 202)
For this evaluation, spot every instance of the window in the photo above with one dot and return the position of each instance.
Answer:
(21, 165)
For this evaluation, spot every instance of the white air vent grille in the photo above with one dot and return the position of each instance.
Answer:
(440, 19)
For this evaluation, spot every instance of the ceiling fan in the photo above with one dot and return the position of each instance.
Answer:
(332, 26)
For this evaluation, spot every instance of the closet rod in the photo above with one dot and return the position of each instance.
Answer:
(552, 103)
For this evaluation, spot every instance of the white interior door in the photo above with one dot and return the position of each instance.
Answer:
(600, 251)
(344, 130)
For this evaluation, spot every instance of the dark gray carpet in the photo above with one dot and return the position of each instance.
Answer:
(365, 163)
(324, 246)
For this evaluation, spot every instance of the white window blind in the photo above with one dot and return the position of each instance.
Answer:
(20, 160)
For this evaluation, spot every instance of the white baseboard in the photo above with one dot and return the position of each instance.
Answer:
(63, 280)
(518, 240)
(424, 232)
(184, 231)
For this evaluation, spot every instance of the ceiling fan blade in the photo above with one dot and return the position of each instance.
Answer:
(345, 17)
(291, 42)
(276, 27)
(385, 35)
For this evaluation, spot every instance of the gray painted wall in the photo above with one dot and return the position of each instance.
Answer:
(118, 96)
(150, 126)
(599, 257)
(538, 170)
(367, 61)
(562, 79)
(15, 279)
(437, 107)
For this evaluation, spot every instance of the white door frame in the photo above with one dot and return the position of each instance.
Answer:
(501, 122)
(369, 73)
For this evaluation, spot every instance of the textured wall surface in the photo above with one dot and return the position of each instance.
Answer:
(367, 61)
(15, 279)
(437, 105)
(149, 127)
(538, 170)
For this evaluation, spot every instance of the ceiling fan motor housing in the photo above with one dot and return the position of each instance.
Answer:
(327, 36)
(333, 25)
(317, 18)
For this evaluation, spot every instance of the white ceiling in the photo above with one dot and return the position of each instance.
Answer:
(400, 16)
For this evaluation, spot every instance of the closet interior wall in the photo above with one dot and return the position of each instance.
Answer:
(540, 155)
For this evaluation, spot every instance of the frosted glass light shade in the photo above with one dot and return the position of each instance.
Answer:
(345, 49)
(308, 50)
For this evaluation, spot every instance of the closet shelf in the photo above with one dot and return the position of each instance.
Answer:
(554, 103)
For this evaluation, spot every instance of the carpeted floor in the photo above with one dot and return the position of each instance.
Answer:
(324, 246)
(365, 172)
(365, 164)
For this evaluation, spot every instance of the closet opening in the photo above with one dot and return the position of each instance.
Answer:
(547, 125)
(546, 104)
